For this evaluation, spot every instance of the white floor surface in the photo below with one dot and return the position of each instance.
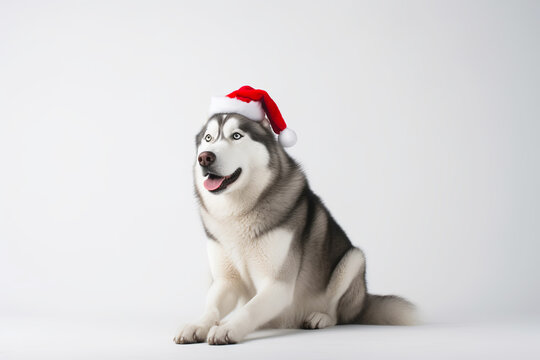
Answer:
(47, 338)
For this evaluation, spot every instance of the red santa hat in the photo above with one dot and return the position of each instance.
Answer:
(254, 104)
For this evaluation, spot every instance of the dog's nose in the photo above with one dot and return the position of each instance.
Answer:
(206, 158)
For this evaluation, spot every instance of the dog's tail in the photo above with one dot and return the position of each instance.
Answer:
(387, 310)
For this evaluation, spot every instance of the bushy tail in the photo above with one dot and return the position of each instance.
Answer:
(387, 310)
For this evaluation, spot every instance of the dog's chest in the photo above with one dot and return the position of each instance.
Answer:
(255, 258)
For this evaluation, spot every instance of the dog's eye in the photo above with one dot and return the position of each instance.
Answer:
(237, 136)
(208, 137)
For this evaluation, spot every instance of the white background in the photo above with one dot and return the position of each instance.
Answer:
(418, 125)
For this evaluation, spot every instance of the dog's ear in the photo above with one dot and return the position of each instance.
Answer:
(266, 123)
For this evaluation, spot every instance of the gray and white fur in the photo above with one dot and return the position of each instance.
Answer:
(278, 258)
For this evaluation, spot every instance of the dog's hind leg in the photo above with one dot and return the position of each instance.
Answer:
(344, 277)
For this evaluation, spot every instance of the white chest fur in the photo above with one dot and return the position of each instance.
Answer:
(255, 260)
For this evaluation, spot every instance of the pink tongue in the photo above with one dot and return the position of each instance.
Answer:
(212, 184)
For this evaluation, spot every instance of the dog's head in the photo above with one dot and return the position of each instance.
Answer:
(233, 155)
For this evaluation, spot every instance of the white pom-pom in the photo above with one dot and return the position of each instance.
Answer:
(287, 137)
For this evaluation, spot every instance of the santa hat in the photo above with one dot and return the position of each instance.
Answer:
(254, 104)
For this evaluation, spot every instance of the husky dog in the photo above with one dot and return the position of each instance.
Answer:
(277, 257)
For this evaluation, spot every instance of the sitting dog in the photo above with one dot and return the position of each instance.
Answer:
(277, 256)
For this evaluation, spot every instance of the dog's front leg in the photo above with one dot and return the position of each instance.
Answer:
(269, 302)
(222, 298)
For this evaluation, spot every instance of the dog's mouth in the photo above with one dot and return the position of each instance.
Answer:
(215, 183)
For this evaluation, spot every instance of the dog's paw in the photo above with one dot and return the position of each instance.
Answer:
(192, 333)
(224, 334)
(317, 320)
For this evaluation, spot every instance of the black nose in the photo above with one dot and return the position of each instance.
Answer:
(206, 158)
